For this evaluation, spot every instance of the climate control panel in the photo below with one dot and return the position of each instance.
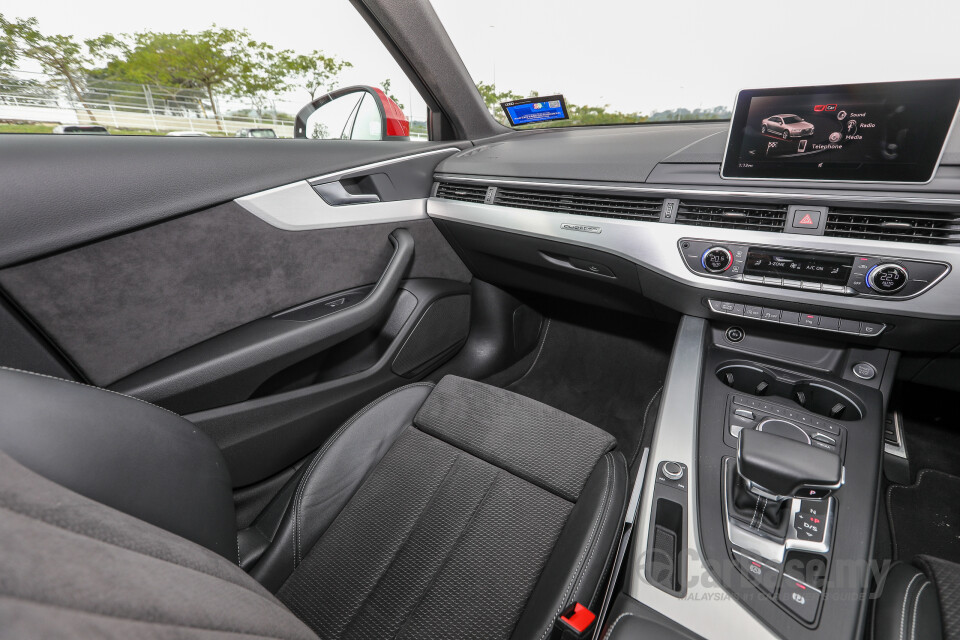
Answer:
(815, 271)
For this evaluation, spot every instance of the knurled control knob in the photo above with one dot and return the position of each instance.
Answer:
(673, 470)
(716, 259)
(887, 278)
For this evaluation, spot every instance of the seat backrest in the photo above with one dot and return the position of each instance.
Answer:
(122, 452)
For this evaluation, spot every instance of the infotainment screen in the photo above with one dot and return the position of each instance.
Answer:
(533, 110)
(823, 268)
(889, 132)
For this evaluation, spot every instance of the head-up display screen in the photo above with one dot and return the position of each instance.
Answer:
(888, 132)
(533, 110)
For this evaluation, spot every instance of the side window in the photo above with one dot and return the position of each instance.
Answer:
(214, 71)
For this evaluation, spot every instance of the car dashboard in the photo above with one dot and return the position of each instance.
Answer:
(800, 301)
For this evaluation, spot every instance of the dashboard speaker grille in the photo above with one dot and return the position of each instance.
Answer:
(754, 217)
(895, 226)
(602, 205)
(464, 192)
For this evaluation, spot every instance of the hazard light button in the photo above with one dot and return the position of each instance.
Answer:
(806, 219)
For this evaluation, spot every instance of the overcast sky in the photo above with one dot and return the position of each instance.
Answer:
(632, 55)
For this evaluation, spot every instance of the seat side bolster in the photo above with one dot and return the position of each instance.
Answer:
(120, 451)
(579, 561)
(333, 475)
(907, 608)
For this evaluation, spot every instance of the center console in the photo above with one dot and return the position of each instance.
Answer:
(772, 517)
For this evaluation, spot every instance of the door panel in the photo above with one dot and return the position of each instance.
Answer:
(164, 269)
(63, 191)
(124, 303)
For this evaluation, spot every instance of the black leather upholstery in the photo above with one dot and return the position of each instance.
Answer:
(909, 606)
(333, 476)
(122, 452)
(455, 511)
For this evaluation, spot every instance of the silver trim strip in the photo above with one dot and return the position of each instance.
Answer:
(698, 192)
(894, 450)
(707, 609)
(654, 245)
(297, 207)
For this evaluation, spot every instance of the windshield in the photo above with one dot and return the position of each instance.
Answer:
(619, 62)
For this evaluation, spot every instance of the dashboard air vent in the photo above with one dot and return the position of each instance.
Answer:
(753, 217)
(464, 192)
(895, 226)
(603, 205)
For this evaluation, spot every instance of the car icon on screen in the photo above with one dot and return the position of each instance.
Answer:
(786, 125)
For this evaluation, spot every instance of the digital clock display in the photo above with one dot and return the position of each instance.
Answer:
(799, 266)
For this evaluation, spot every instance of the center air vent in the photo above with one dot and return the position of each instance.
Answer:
(895, 226)
(584, 204)
(464, 192)
(753, 217)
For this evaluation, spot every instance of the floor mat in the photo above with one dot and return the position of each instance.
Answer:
(607, 372)
(925, 517)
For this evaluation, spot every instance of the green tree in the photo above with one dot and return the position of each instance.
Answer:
(60, 56)
(315, 73)
(262, 71)
(492, 98)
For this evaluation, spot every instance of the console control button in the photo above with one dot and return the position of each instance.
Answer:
(753, 312)
(762, 574)
(849, 326)
(789, 317)
(811, 286)
(744, 413)
(864, 371)
(673, 470)
(799, 598)
(887, 278)
(735, 334)
(808, 320)
(870, 328)
(772, 315)
(831, 324)
(716, 259)
(795, 284)
(753, 279)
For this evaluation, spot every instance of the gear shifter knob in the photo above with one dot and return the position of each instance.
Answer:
(779, 468)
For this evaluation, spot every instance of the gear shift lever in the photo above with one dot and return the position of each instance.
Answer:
(778, 468)
(770, 471)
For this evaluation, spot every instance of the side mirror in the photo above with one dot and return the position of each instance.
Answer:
(352, 113)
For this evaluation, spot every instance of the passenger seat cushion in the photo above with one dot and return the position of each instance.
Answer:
(74, 568)
(452, 532)
(538, 443)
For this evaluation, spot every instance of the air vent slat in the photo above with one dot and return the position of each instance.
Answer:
(924, 227)
(753, 217)
(462, 192)
(595, 204)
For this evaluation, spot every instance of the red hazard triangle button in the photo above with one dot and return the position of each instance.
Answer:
(805, 218)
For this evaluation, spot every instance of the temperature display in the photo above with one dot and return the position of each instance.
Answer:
(799, 266)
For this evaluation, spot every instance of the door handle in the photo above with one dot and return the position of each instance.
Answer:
(335, 194)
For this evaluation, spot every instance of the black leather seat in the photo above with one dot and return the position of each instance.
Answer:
(919, 601)
(455, 511)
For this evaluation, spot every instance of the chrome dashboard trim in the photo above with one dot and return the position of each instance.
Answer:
(654, 245)
(297, 207)
(707, 609)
